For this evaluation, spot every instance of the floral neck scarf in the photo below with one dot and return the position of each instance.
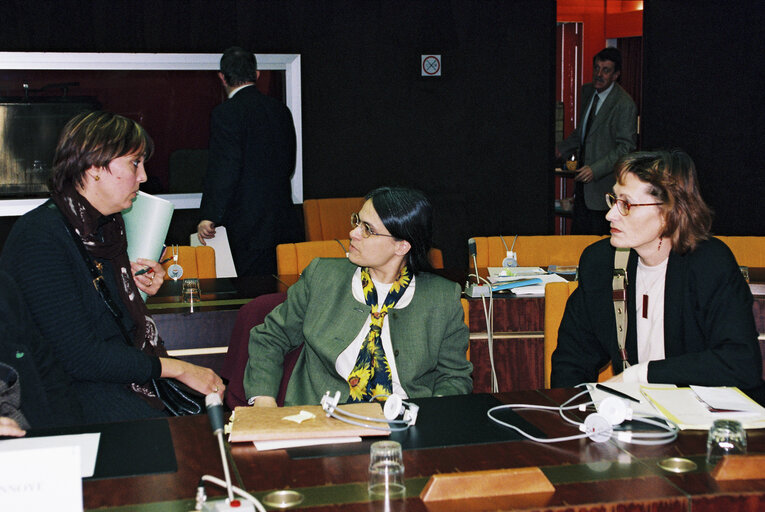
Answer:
(371, 375)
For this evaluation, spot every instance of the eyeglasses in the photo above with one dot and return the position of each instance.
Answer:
(624, 206)
(366, 230)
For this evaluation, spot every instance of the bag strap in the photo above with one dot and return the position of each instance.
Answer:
(619, 283)
(96, 274)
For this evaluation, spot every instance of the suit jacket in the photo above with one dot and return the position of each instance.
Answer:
(613, 133)
(429, 337)
(247, 185)
(710, 337)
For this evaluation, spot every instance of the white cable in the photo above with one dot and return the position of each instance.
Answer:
(489, 318)
(244, 494)
(639, 438)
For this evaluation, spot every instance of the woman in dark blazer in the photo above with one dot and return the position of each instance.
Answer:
(689, 308)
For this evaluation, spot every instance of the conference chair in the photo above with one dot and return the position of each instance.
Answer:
(748, 250)
(251, 314)
(197, 262)
(533, 251)
(466, 311)
(327, 219)
(556, 296)
(291, 259)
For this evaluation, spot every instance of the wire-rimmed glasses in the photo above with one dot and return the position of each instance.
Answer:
(366, 229)
(623, 206)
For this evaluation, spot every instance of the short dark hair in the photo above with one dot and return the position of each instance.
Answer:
(673, 181)
(93, 139)
(612, 54)
(408, 215)
(238, 66)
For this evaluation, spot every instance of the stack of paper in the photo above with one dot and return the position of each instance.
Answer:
(284, 427)
(697, 407)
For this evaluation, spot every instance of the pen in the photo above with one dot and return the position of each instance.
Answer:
(149, 269)
(615, 392)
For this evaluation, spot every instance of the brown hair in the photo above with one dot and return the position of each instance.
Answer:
(93, 139)
(673, 181)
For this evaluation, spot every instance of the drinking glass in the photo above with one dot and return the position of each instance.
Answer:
(726, 437)
(386, 469)
(191, 292)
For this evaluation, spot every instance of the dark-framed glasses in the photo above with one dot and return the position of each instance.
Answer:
(624, 206)
(366, 230)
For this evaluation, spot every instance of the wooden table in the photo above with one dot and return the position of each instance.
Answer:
(587, 476)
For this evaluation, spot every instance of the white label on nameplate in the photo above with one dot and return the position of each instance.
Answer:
(41, 480)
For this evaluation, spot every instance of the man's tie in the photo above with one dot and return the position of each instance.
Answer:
(590, 119)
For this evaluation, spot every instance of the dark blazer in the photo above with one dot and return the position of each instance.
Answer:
(429, 337)
(710, 337)
(613, 133)
(247, 185)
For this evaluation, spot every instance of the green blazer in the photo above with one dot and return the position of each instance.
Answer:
(429, 337)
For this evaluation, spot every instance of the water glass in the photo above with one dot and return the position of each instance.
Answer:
(726, 437)
(191, 292)
(386, 470)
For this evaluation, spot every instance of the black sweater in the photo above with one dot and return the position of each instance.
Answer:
(73, 319)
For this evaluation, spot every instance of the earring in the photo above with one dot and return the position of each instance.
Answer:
(96, 177)
(660, 240)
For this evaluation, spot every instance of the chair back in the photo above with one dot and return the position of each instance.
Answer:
(327, 219)
(466, 311)
(533, 251)
(251, 314)
(291, 259)
(556, 296)
(197, 262)
(748, 250)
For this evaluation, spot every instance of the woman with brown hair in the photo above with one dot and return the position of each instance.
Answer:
(98, 327)
(689, 308)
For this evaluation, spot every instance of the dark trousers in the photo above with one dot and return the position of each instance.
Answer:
(586, 221)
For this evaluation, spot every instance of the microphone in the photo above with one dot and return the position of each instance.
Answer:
(215, 414)
(475, 290)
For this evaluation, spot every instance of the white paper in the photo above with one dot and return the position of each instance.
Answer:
(87, 443)
(688, 411)
(296, 443)
(146, 225)
(224, 261)
(41, 480)
(729, 399)
(504, 274)
(633, 389)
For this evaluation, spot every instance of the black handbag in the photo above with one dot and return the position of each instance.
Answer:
(177, 398)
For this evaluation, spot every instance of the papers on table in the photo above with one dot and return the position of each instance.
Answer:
(690, 411)
(276, 428)
(643, 407)
(693, 408)
(536, 277)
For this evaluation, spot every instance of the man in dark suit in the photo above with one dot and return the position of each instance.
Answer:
(251, 160)
(606, 131)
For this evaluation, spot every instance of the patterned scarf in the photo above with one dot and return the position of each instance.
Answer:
(104, 238)
(371, 375)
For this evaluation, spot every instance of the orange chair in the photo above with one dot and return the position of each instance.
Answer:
(533, 251)
(197, 262)
(748, 250)
(327, 219)
(466, 310)
(291, 259)
(556, 296)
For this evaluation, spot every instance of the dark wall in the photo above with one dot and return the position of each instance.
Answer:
(704, 92)
(478, 140)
